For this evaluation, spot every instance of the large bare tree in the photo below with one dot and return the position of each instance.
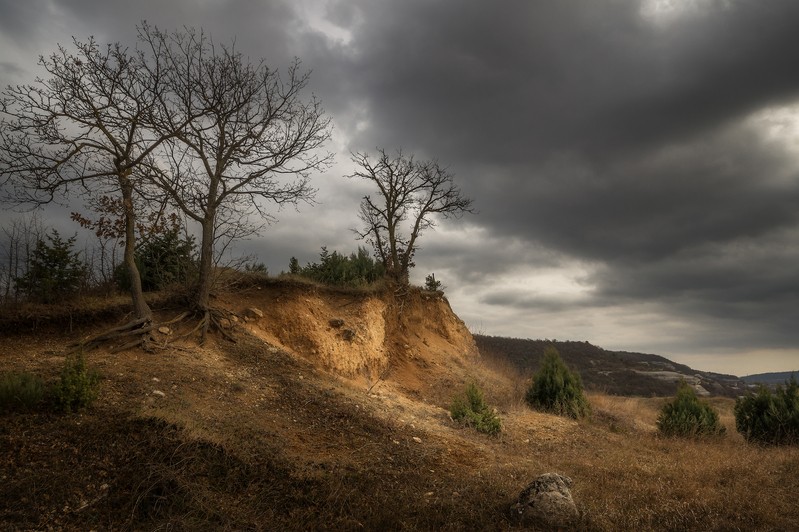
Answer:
(223, 139)
(84, 128)
(410, 194)
(254, 143)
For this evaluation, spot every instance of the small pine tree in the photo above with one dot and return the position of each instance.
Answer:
(294, 266)
(471, 409)
(55, 272)
(78, 386)
(770, 418)
(431, 284)
(256, 267)
(687, 416)
(555, 388)
(336, 269)
(165, 259)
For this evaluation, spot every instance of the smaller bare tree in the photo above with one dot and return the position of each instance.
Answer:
(410, 195)
(17, 241)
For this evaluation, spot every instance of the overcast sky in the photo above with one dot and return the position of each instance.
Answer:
(635, 163)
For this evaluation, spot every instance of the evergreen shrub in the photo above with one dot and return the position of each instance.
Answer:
(768, 417)
(687, 416)
(354, 270)
(471, 409)
(164, 259)
(78, 386)
(55, 272)
(557, 389)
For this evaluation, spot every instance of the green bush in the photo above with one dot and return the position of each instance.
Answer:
(687, 416)
(20, 391)
(471, 409)
(431, 284)
(770, 417)
(55, 272)
(557, 389)
(164, 259)
(256, 267)
(78, 386)
(357, 269)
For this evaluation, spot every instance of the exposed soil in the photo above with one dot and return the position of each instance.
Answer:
(301, 425)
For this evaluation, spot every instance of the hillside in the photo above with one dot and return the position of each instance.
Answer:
(612, 372)
(770, 379)
(330, 412)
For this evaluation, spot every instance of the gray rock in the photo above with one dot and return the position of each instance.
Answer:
(336, 323)
(253, 314)
(547, 501)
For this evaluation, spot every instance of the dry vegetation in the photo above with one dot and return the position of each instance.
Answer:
(261, 435)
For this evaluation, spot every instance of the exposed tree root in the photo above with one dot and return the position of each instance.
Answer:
(217, 320)
(141, 332)
(138, 333)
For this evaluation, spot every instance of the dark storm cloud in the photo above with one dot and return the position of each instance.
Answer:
(22, 19)
(594, 131)
(515, 81)
(581, 124)
(260, 29)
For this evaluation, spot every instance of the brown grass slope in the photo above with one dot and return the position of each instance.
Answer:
(301, 426)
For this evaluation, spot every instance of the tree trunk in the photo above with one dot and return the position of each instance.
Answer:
(140, 308)
(203, 295)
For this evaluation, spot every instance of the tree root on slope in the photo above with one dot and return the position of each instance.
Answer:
(211, 319)
(139, 332)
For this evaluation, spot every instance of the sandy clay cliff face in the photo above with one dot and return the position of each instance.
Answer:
(412, 339)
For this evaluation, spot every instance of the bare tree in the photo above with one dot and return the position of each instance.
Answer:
(222, 138)
(409, 195)
(17, 242)
(84, 128)
(254, 144)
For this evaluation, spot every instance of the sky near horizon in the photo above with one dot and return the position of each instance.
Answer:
(635, 163)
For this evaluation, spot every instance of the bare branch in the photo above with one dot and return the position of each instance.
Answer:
(251, 139)
(410, 193)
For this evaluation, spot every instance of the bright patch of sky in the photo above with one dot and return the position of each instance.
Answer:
(779, 125)
(667, 12)
(314, 13)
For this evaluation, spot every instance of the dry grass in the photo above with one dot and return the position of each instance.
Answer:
(500, 381)
(625, 414)
(317, 457)
(248, 437)
(626, 477)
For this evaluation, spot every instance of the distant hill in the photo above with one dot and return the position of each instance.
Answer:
(612, 372)
(770, 379)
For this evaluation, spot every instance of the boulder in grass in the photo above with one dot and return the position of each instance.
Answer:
(547, 501)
